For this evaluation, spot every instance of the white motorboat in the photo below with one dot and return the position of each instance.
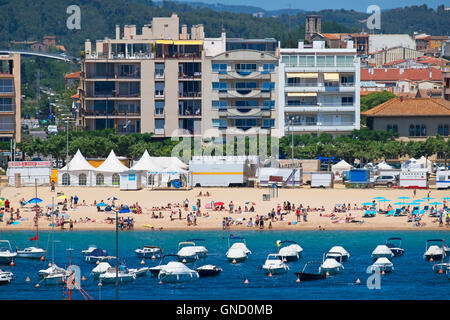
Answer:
(238, 252)
(89, 250)
(338, 253)
(139, 272)
(6, 277)
(102, 267)
(123, 276)
(190, 252)
(177, 272)
(154, 271)
(291, 252)
(152, 252)
(442, 267)
(53, 269)
(31, 253)
(55, 278)
(434, 252)
(7, 255)
(382, 264)
(382, 251)
(274, 264)
(208, 270)
(396, 248)
(97, 255)
(331, 266)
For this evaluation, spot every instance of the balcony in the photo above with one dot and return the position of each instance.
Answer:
(186, 94)
(319, 107)
(190, 112)
(322, 126)
(7, 127)
(120, 56)
(319, 87)
(112, 114)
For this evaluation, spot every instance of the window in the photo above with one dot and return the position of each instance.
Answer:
(306, 61)
(159, 88)
(219, 104)
(268, 86)
(82, 180)
(159, 126)
(128, 89)
(6, 104)
(115, 179)
(443, 130)
(417, 130)
(268, 67)
(411, 130)
(219, 86)
(159, 107)
(219, 67)
(100, 179)
(66, 179)
(245, 68)
(424, 130)
(269, 104)
(347, 80)
(347, 101)
(395, 128)
(159, 70)
(268, 123)
(219, 123)
(325, 61)
(101, 88)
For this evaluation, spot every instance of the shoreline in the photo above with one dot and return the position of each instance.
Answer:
(157, 202)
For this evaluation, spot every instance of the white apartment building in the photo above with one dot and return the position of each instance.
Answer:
(319, 89)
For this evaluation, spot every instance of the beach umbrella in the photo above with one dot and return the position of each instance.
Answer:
(399, 203)
(418, 200)
(367, 203)
(435, 203)
(219, 204)
(112, 198)
(124, 209)
(251, 203)
(378, 198)
(446, 198)
(101, 204)
(428, 198)
(35, 200)
(63, 196)
(403, 198)
(108, 208)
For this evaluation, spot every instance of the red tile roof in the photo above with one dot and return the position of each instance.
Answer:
(403, 107)
(76, 96)
(75, 75)
(393, 74)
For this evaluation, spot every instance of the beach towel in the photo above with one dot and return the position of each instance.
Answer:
(15, 222)
(295, 222)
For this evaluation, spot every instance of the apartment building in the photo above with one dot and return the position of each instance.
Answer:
(173, 83)
(243, 91)
(148, 82)
(10, 97)
(319, 89)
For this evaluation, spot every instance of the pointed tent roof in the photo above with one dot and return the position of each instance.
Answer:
(112, 164)
(341, 165)
(78, 163)
(173, 168)
(384, 165)
(165, 162)
(146, 163)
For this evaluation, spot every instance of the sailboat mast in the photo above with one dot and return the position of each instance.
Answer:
(53, 243)
(37, 216)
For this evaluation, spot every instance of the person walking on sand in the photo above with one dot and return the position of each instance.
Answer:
(414, 193)
(186, 204)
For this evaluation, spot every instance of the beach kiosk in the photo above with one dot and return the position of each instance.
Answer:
(28, 173)
(322, 179)
(130, 180)
(414, 179)
(443, 179)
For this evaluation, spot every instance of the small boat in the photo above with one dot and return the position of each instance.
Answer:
(176, 272)
(6, 277)
(190, 252)
(55, 278)
(274, 264)
(338, 252)
(382, 251)
(331, 265)
(53, 269)
(208, 270)
(382, 264)
(154, 271)
(290, 252)
(123, 276)
(434, 252)
(153, 252)
(7, 255)
(97, 255)
(87, 251)
(238, 252)
(31, 253)
(139, 272)
(396, 248)
(102, 267)
(308, 276)
(442, 267)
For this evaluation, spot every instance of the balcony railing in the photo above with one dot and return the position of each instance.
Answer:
(113, 113)
(7, 107)
(323, 124)
(8, 126)
(190, 112)
(195, 94)
(195, 75)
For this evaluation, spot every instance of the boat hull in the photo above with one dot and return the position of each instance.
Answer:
(338, 258)
(31, 255)
(7, 259)
(237, 259)
(382, 268)
(381, 255)
(441, 266)
(433, 256)
(209, 273)
(304, 276)
(277, 270)
(331, 271)
(177, 278)
(121, 278)
(291, 258)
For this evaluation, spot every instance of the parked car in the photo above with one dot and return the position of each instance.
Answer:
(25, 127)
(388, 181)
(52, 129)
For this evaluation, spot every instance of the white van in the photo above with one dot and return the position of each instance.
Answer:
(52, 129)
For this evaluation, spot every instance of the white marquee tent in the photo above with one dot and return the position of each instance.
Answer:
(108, 173)
(78, 172)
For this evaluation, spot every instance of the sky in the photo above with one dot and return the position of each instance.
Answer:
(358, 5)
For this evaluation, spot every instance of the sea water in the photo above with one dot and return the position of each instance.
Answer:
(413, 277)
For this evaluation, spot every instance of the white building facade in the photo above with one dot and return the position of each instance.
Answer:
(319, 90)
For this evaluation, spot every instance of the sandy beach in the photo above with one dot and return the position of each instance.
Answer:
(148, 199)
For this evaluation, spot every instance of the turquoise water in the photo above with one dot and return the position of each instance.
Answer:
(413, 277)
